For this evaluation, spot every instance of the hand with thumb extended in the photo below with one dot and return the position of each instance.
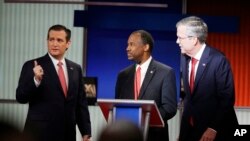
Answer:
(38, 72)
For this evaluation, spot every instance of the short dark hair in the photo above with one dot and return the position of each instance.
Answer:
(59, 27)
(146, 38)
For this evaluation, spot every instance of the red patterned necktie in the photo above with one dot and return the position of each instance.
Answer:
(137, 82)
(191, 83)
(62, 78)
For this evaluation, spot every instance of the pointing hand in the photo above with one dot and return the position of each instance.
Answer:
(38, 71)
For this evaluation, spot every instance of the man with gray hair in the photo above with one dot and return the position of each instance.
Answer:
(208, 85)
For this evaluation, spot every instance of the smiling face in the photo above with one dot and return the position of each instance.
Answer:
(57, 43)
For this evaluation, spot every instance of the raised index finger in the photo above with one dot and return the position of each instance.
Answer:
(35, 63)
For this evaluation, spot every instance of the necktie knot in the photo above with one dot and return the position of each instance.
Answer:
(59, 63)
(138, 69)
(194, 61)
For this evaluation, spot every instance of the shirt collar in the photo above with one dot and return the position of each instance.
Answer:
(55, 61)
(145, 65)
(198, 55)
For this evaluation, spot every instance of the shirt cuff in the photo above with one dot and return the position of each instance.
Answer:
(37, 83)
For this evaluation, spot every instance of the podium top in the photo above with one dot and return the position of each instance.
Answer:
(147, 106)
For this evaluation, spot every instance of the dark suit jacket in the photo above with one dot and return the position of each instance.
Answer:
(159, 85)
(212, 102)
(51, 116)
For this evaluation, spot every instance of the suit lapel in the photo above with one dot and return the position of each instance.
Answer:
(130, 80)
(148, 77)
(51, 71)
(184, 68)
(202, 65)
(70, 70)
(126, 83)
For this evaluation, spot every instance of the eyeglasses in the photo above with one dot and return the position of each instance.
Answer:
(183, 38)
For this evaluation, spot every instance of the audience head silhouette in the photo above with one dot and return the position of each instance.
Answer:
(121, 130)
(9, 132)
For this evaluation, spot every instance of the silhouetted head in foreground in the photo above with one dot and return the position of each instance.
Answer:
(121, 130)
(9, 132)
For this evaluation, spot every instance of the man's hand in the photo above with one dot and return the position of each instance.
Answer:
(208, 135)
(38, 72)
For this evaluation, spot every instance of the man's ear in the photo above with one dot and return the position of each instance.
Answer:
(146, 47)
(69, 43)
(195, 40)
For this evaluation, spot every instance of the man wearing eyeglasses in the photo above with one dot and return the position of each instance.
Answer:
(208, 85)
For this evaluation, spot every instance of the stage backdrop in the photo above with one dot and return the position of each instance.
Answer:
(106, 56)
(108, 28)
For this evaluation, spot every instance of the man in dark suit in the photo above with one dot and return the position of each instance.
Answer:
(209, 87)
(156, 81)
(55, 106)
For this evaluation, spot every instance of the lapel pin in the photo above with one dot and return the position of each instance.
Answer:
(203, 64)
(151, 71)
(71, 68)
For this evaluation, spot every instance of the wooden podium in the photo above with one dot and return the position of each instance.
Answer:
(142, 112)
